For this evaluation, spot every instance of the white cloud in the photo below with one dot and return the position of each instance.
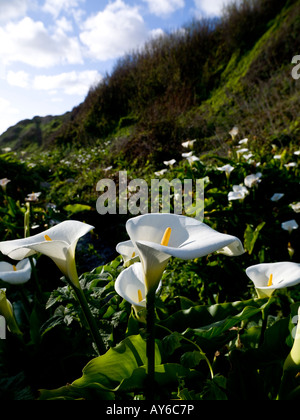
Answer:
(18, 78)
(12, 9)
(114, 31)
(72, 83)
(64, 25)
(30, 43)
(56, 7)
(8, 114)
(164, 7)
(156, 33)
(211, 7)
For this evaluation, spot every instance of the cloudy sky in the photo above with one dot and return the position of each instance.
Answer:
(52, 51)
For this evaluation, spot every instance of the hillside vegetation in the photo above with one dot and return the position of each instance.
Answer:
(196, 83)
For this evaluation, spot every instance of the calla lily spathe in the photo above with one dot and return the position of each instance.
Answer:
(130, 285)
(4, 182)
(16, 274)
(6, 310)
(58, 243)
(290, 225)
(128, 252)
(253, 180)
(189, 239)
(269, 277)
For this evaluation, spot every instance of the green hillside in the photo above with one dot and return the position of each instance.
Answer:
(196, 83)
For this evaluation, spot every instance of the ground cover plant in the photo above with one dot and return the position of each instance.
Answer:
(122, 308)
(225, 327)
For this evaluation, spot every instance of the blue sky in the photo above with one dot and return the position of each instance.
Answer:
(53, 51)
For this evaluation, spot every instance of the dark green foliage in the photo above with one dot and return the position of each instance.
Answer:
(193, 84)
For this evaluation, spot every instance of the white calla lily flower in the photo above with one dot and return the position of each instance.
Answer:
(130, 285)
(296, 207)
(158, 237)
(276, 197)
(170, 162)
(290, 225)
(239, 193)
(128, 252)
(292, 362)
(58, 243)
(188, 144)
(226, 168)
(4, 182)
(16, 274)
(253, 180)
(272, 276)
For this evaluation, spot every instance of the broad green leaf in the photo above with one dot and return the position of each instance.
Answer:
(165, 375)
(71, 393)
(216, 329)
(191, 359)
(121, 369)
(117, 364)
(205, 316)
(215, 389)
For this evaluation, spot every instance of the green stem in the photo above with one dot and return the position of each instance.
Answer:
(91, 322)
(35, 276)
(264, 326)
(27, 221)
(25, 302)
(265, 314)
(150, 387)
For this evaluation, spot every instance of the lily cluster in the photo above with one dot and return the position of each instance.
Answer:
(154, 239)
(239, 192)
(59, 244)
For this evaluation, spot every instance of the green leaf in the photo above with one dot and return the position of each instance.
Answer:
(117, 364)
(71, 393)
(171, 343)
(251, 236)
(77, 208)
(191, 359)
(205, 316)
(165, 375)
(122, 368)
(215, 389)
(216, 329)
